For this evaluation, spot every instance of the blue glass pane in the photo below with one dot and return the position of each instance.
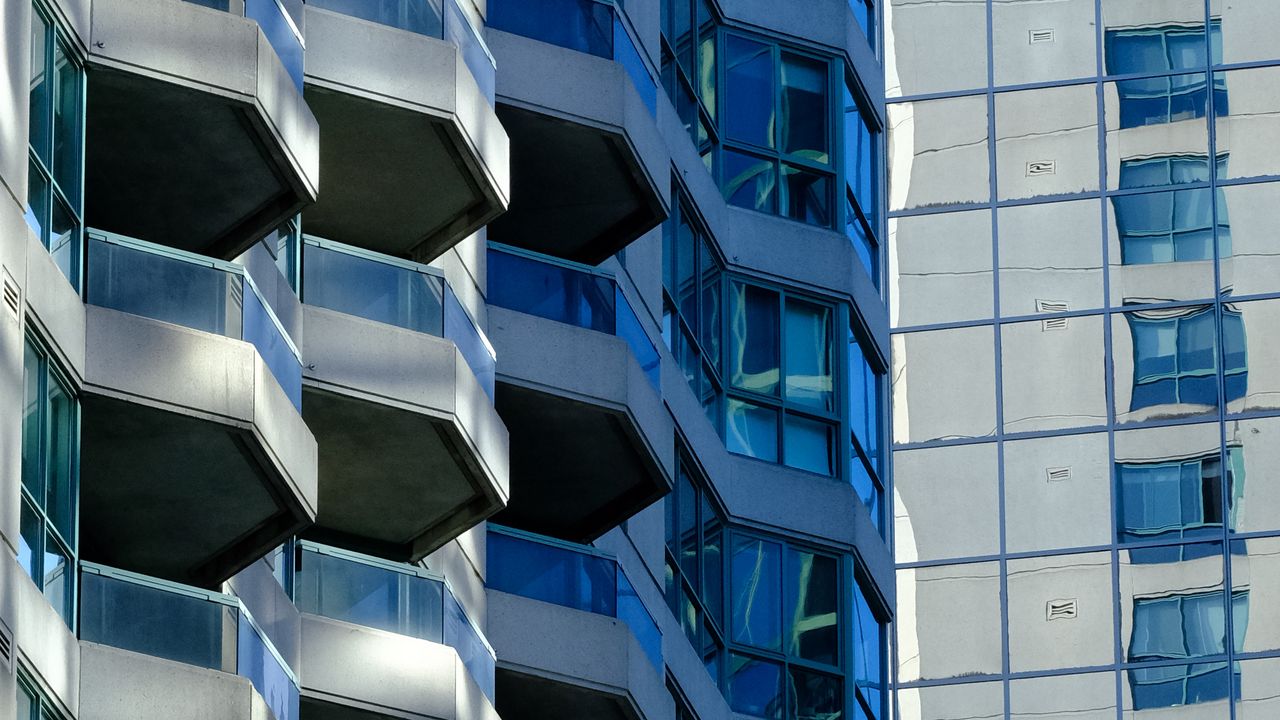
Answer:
(812, 586)
(459, 328)
(1198, 390)
(868, 652)
(809, 380)
(261, 666)
(807, 445)
(271, 18)
(868, 490)
(751, 430)
(552, 574)
(863, 244)
(804, 112)
(1135, 52)
(29, 540)
(154, 622)
(1155, 392)
(551, 291)
(1150, 500)
(460, 31)
(755, 687)
(755, 600)
(261, 330)
(419, 16)
(462, 636)
(582, 25)
(626, 54)
(223, 5)
(370, 595)
(814, 696)
(1155, 344)
(754, 335)
(378, 291)
(749, 88)
(1196, 344)
(33, 369)
(1169, 686)
(60, 457)
(749, 182)
(1235, 351)
(806, 195)
(632, 612)
(164, 288)
(865, 17)
(629, 328)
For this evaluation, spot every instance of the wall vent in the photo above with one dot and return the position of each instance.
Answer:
(11, 299)
(1060, 609)
(1053, 306)
(1036, 168)
(1053, 324)
(1058, 474)
(1036, 37)
(6, 648)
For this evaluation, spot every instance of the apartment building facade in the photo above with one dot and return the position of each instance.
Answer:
(1081, 242)
(456, 359)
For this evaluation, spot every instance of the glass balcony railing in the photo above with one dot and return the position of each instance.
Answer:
(280, 21)
(573, 576)
(443, 19)
(595, 27)
(195, 291)
(393, 597)
(187, 625)
(396, 292)
(569, 293)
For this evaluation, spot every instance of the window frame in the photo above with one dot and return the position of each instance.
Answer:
(1228, 461)
(1178, 374)
(47, 371)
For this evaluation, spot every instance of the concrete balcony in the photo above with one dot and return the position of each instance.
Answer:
(386, 640)
(413, 155)
(193, 115)
(573, 637)
(589, 169)
(591, 442)
(397, 390)
(195, 459)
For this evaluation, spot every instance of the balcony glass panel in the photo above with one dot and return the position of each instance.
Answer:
(193, 291)
(283, 35)
(184, 624)
(401, 599)
(572, 576)
(571, 294)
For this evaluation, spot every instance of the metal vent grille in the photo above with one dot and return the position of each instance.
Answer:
(11, 300)
(1036, 168)
(1060, 609)
(1053, 306)
(1054, 324)
(1036, 37)
(1058, 474)
(6, 648)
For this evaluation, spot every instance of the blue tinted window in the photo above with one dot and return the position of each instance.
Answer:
(1175, 359)
(756, 593)
(1168, 227)
(755, 687)
(749, 87)
(868, 654)
(750, 182)
(1183, 626)
(1177, 499)
(1169, 49)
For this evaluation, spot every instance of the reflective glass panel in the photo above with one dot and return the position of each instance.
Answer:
(1054, 373)
(804, 112)
(1255, 695)
(64, 241)
(814, 696)
(1248, 132)
(1162, 246)
(749, 84)
(373, 596)
(1046, 141)
(1152, 691)
(807, 444)
(806, 195)
(1255, 572)
(60, 501)
(1152, 118)
(1060, 612)
(940, 270)
(1253, 451)
(808, 354)
(1169, 483)
(755, 687)
(756, 592)
(812, 607)
(1165, 363)
(938, 151)
(754, 332)
(38, 197)
(29, 540)
(1250, 259)
(968, 701)
(927, 52)
(1050, 258)
(861, 146)
(1080, 697)
(32, 424)
(751, 430)
(947, 502)
(931, 644)
(58, 570)
(1035, 42)
(749, 182)
(39, 127)
(1057, 492)
(868, 651)
(1240, 18)
(687, 529)
(928, 402)
(66, 125)
(1172, 603)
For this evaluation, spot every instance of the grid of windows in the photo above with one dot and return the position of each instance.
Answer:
(1179, 498)
(691, 320)
(1175, 359)
(50, 480)
(56, 145)
(866, 413)
(32, 704)
(1183, 627)
(1166, 49)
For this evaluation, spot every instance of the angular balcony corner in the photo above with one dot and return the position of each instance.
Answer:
(197, 115)
(195, 458)
(418, 653)
(152, 649)
(398, 390)
(578, 388)
(574, 638)
(413, 156)
(588, 165)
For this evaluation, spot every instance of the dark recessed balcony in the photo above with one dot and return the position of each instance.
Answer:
(413, 156)
(179, 641)
(196, 120)
(573, 637)
(421, 655)
(588, 166)
(591, 442)
(398, 390)
(195, 458)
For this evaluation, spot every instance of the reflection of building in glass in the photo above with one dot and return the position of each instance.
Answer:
(1082, 213)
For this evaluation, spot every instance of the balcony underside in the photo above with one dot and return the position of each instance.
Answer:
(411, 451)
(528, 697)
(578, 192)
(193, 463)
(196, 136)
